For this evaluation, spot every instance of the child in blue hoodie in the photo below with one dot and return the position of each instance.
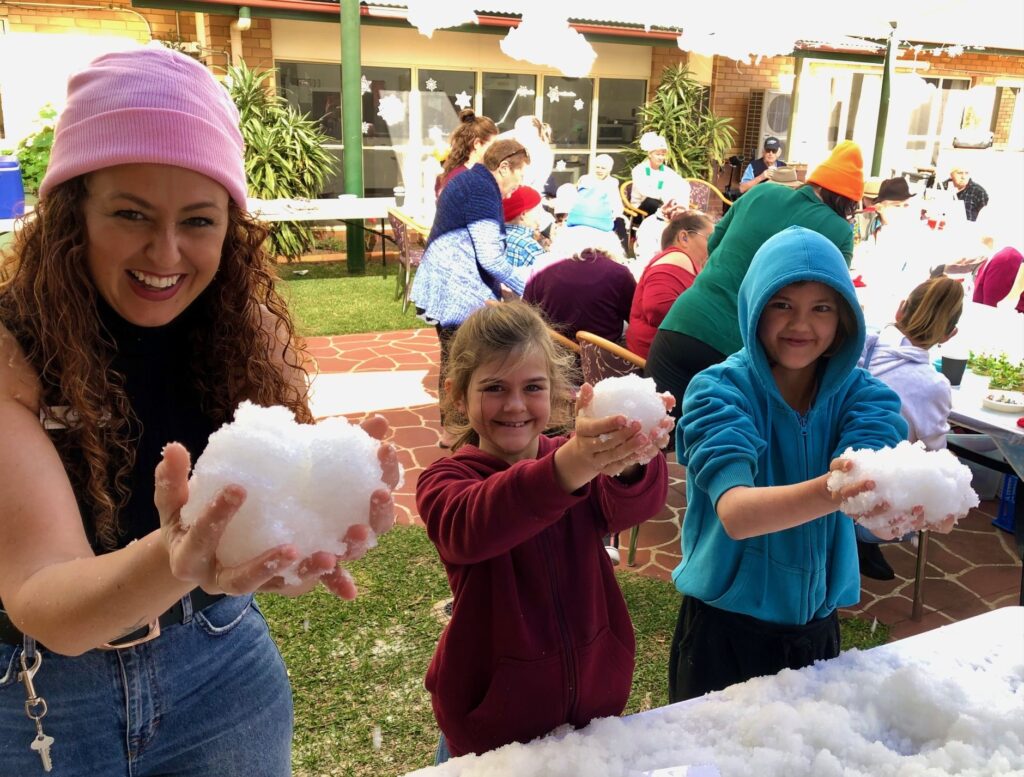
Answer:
(767, 557)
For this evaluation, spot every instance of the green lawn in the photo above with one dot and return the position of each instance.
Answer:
(358, 665)
(326, 300)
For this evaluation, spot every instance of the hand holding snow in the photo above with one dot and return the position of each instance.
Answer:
(632, 396)
(905, 477)
(305, 484)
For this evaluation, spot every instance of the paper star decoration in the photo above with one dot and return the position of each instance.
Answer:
(364, 85)
(431, 85)
(366, 127)
(391, 109)
(578, 105)
(553, 94)
(560, 166)
(463, 100)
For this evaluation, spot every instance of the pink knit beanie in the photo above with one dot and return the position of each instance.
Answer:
(148, 105)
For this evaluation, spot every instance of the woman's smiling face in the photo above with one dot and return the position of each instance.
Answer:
(155, 237)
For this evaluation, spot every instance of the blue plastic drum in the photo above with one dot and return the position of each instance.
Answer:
(12, 191)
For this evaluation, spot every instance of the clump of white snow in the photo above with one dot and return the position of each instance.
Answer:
(305, 484)
(947, 706)
(905, 477)
(629, 395)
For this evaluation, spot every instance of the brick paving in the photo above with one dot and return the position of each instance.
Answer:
(972, 570)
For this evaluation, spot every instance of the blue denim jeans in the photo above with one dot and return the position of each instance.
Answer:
(207, 697)
(443, 754)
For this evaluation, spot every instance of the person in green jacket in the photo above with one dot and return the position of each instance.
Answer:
(702, 326)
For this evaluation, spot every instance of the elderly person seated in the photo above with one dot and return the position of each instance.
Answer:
(890, 202)
(758, 170)
(649, 233)
(970, 192)
(602, 181)
(684, 244)
(654, 182)
(583, 282)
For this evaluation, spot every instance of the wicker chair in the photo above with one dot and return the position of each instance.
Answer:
(407, 238)
(700, 195)
(599, 359)
(632, 215)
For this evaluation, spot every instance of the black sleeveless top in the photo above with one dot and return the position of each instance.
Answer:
(158, 380)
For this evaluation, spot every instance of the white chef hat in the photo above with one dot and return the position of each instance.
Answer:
(652, 141)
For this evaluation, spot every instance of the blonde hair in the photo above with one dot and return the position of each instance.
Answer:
(507, 330)
(932, 311)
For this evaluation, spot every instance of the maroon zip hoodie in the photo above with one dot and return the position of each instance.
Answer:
(539, 634)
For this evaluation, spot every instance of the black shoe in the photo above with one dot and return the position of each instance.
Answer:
(872, 562)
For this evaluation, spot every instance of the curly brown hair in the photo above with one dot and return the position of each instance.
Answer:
(48, 302)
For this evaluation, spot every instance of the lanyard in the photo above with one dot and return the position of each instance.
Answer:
(661, 169)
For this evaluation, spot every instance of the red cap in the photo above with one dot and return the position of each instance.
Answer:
(521, 200)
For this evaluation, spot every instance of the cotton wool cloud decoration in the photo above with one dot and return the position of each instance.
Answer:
(905, 477)
(306, 484)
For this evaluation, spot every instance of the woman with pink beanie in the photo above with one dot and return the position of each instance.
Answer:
(138, 308)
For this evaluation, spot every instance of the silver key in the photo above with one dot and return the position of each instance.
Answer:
(42, 744)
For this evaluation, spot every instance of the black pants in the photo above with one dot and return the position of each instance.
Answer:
(713, 649)
(674, 359)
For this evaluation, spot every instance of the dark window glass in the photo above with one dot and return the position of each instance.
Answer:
(381, 172)
(507, 96)
(567, 106)
(619, 99)
(386, 91)
(439, 91)
(313, 89)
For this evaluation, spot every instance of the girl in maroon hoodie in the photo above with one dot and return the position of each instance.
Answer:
(539, 634)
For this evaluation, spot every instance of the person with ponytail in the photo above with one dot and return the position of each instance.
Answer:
(898, 356)
(469, 142)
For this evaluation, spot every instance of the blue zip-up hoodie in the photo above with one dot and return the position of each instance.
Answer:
(737, 430)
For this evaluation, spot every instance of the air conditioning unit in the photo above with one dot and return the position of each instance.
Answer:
(776, 109)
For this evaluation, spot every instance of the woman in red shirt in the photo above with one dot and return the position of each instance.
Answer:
(684, 245)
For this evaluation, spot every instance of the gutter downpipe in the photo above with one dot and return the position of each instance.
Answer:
(888, 69)
(352, 126)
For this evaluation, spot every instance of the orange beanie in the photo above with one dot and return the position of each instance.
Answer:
(842, 172)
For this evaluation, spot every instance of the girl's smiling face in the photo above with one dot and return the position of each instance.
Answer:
(797, 326)
(508, 404)
(155, 236)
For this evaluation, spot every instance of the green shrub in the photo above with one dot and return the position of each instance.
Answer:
(33, 150)
(284, 153)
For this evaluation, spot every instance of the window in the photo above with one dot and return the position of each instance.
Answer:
(567, 106)
(939, 114)
(313, 89)
(618, 101)
(386, 105)
(443, 93)
(507, 96)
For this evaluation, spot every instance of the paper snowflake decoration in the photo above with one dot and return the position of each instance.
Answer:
(391, 109)
(560, 166)
(431, 85)
(364, 85)
(367, 127)
(553, 94)
(463, 100)
(578, 105)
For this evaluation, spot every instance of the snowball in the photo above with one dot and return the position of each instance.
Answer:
(305, 484)
(906, 476)
(631, 396)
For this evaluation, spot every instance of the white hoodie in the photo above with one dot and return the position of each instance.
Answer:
(923, 391)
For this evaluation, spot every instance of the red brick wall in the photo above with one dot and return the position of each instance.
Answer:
(662, 57)
(733, 82)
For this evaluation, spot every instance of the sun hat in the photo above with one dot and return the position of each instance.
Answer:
(842, 172)
(591, 210)
(521, 200)
(784, 175)
(894, 189)
(148, 105)
(652, 141)
(871, 186)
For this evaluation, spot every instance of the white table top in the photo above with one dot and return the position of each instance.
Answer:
(338, 209)
(901, 708)
(1001, 427)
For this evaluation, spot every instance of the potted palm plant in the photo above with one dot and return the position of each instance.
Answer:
(680, 112)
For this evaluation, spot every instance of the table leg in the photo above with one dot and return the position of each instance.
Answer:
(922, 561)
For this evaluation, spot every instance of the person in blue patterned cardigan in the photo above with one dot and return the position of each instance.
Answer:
(464, 263)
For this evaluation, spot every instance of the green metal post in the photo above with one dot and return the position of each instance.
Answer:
(888, 69)
(352, 126)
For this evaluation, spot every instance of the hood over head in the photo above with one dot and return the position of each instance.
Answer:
(793, 255)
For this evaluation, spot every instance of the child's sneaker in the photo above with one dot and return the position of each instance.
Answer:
(613, 553)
